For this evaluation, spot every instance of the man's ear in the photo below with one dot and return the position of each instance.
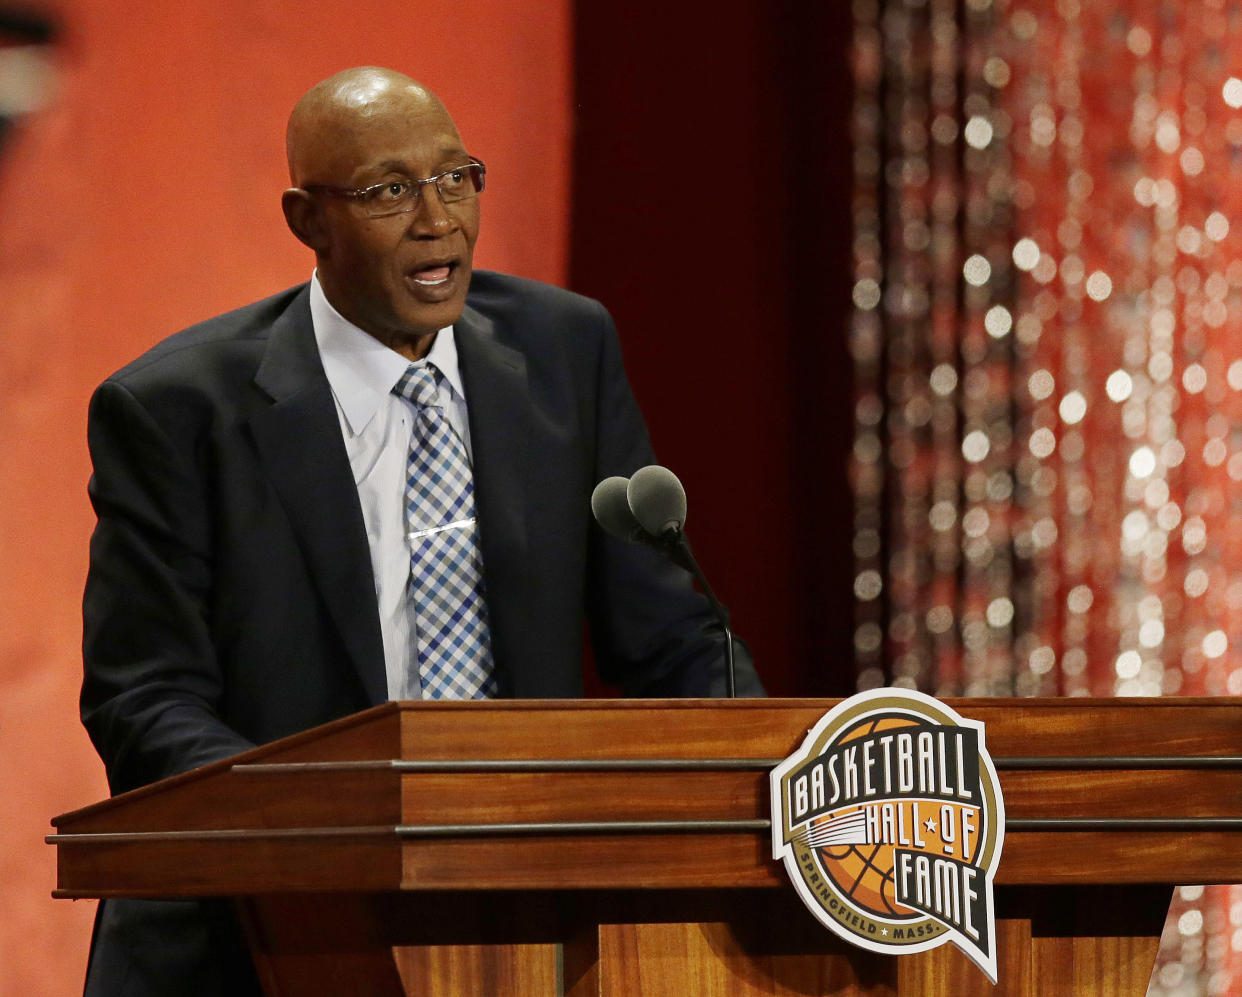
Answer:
(305, 218)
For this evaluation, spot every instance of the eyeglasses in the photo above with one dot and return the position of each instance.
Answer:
(395, 196)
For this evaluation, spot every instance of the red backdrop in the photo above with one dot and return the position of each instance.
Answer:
(147, 197)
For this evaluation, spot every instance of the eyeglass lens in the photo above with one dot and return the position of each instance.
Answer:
(403, 195)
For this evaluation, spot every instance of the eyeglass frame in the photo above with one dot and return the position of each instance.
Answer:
(361, 194)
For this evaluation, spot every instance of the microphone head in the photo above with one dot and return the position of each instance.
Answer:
(657, 500)
(611, 509)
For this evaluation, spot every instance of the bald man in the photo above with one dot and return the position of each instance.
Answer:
(251, 574)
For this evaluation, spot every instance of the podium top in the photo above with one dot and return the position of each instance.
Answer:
(650, 793)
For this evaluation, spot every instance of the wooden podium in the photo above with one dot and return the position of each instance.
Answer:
(623, 848)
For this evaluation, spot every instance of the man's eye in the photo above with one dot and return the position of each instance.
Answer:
(453, 179)
(392, 192)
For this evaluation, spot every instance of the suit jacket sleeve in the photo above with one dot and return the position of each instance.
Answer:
(652, 633)
(153, 686)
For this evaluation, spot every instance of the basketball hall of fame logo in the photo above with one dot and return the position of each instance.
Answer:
(890, 821)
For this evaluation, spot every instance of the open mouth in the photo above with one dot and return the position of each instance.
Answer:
(434, 274)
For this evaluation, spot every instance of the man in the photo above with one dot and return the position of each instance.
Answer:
(272, 549)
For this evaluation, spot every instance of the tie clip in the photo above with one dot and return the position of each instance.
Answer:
(419, 534)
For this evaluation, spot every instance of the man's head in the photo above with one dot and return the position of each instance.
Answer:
(397, 276)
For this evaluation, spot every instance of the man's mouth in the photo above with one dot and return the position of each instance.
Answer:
(433, 276)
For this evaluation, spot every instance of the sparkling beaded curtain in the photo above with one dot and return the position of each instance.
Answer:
(1047, 341)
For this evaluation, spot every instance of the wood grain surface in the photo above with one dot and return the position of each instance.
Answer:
(286, 809)
(359, 874)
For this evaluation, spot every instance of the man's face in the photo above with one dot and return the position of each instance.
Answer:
(406, 275)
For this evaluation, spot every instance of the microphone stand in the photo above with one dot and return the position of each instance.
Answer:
(673, 542)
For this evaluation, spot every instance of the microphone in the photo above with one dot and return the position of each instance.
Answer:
(657, 500)
(611, 509)
(650, 508)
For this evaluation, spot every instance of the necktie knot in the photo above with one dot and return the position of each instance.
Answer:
(420, 384)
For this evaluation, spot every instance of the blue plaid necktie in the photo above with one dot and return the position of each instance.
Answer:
(446, 566)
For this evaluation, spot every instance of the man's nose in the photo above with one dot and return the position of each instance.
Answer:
(431, 215)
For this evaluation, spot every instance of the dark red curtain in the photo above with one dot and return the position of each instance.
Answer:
(711, 193)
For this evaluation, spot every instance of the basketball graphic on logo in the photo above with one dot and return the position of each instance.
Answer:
(864, 873)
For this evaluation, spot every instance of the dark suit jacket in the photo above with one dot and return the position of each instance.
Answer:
(230, 599)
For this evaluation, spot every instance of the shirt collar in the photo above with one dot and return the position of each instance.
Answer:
(361, 370)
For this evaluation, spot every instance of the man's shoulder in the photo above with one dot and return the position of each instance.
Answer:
(502, 297)
(238, 334)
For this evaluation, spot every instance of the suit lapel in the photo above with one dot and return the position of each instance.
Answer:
(498, 398)
(299, 442)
